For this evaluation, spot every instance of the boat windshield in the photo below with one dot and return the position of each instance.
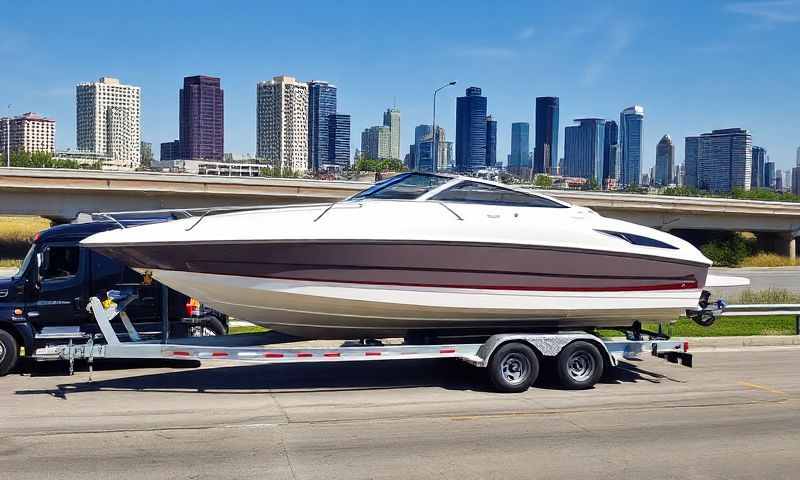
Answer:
(406, 186)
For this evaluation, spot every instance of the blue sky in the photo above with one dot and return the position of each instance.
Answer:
(693, 65)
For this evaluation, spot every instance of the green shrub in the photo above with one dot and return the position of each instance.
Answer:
(728, 251)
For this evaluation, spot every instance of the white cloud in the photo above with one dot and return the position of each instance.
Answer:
(770, 12)
(526, 33)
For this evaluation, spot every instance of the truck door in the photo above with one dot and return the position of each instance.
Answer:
(61, 296)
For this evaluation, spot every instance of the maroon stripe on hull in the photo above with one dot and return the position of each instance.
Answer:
(468, 266)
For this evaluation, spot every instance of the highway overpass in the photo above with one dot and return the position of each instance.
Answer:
(63, 194)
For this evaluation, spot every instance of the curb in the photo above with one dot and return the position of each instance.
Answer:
(748, 341)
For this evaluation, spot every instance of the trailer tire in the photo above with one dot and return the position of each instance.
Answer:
(513, 367)
(9, 351)
(579, 365)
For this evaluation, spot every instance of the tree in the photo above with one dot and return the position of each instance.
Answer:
(543, 181)
(46, 160)
(591, 184)
(382, 165)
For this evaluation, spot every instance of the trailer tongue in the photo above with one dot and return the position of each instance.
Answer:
(512, 360)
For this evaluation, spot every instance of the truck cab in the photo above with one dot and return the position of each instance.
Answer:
(57, 278)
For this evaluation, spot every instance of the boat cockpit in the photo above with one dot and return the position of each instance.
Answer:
(450, 188)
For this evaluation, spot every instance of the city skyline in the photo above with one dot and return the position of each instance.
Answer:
(638, 60)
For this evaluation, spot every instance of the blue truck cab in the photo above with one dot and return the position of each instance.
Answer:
(58, 277)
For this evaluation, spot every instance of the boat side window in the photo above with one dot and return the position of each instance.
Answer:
(407, 187)
(62, 262)
(476, 192)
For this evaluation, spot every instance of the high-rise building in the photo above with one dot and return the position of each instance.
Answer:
(798, 159)
(202, 122)
(338, 140)
(758, 173)
(471, 131)
(491, 141)
(147, 155)
(545, 150)
(421, 152)
(724, 160)
(391, 119)
(796, 180)
(631, 123)
(170, 150)
(778, 180)
(665, 162)
(769, 175)
(109, 121)
(282, 123)
(520, 147)
(691, 157)
(680, 176)
(28, 132)
(611, 150)
(376, 143)
(583, 149)
(321, 104)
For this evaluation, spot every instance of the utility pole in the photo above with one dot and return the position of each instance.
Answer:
(8, 137)
(434, 142)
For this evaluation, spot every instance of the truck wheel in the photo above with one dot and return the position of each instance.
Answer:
(9, 350)
(210, 327)
(579, 365)
(513, 368)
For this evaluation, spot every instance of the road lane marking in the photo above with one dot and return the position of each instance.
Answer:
(763, 387)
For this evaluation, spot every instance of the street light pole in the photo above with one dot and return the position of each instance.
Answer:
(8, 137)
(434, 142)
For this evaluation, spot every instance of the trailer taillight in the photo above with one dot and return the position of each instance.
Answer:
(192, 307)
(685, 346)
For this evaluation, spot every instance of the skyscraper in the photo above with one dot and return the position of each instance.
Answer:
(724, 160)
(471, 131)
(170, 151)
(665, 162)
(796, 180)
(583, 149)
(282, 123)
(545, 150)
(321, 104)
(491, 141)
(109, 121)
(611, 150)
(422, 150)
(691, 156)
(520, 147)
(338, 140)
(630, 144)
(391, 119)
(769, 175)
(147, 155)
(758, 172)
(376, 143)
(29, 132)
(202, 121)
(798, 159)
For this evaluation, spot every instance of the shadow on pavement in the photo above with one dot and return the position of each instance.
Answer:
(258, 379)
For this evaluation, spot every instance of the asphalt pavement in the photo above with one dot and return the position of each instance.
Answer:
(784, 278)
(736, 414)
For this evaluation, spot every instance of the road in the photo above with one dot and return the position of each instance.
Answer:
(735, 415)
(785, 278)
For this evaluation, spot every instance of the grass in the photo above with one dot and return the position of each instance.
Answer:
(16, 235)
(764, 259)
(247, 329)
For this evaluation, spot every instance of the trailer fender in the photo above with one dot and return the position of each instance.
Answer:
(547, 345)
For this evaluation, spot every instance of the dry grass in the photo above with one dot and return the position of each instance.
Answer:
(16, 235)
(768, 260)
(769, 296)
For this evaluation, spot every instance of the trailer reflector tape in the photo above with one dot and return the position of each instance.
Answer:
(273, 355)
(304, 354)
(219, 354)
(372, 354)
(332, 354)
(181, 354)
(447, 350)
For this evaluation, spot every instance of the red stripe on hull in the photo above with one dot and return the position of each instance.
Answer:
(687, 285)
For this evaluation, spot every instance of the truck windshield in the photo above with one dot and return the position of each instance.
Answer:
(26, 261)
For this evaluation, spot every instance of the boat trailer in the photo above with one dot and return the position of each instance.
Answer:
(512, 359)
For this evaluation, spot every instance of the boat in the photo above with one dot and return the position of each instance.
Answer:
(420, 253)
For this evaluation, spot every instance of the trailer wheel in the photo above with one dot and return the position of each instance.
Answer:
(579, 365)
(513, 368)
(8, 352)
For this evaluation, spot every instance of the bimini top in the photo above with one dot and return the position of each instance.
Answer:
(451, 188)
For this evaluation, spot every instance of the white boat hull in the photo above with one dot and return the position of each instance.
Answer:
(344, 310)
